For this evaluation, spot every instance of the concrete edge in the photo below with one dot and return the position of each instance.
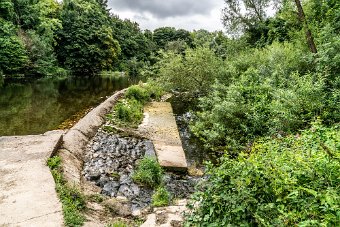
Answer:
(76, 139)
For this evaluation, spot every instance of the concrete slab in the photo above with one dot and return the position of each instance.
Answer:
(160, 126)
(27, 188)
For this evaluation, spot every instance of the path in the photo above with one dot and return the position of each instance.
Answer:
(160, 126)
(27, 188)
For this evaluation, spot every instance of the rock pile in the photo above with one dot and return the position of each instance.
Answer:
(110, 161)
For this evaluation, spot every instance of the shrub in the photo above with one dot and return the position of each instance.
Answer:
(129, 111)
(195, 71)
(138, 93)
(232, 116)
(292, 181)
(161, 197)
(154, 90)
(148, 173)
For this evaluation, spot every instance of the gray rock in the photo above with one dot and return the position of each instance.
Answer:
(111, 188)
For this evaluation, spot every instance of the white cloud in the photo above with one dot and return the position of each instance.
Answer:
(198, 17)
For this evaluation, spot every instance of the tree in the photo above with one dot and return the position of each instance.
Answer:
(13, 56)
(309, 36)
(240, 15)
(163, 35)
(86, 41)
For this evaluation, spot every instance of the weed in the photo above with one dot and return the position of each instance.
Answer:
(115, 175)
(148, 173)
(129, 111)
(161, 197)
(95, 198)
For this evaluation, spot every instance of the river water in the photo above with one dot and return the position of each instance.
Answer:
(39, 105)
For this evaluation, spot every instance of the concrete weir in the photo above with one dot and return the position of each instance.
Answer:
(27, 188)
(160, 126)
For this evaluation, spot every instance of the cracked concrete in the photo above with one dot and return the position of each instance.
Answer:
(27, 188)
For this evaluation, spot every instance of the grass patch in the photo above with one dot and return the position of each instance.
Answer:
(73, 201)
(161, 197)
(129, 111)
(148, 173)
(98, 198)
(120, 222)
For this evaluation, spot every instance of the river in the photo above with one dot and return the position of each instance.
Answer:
(39, 105)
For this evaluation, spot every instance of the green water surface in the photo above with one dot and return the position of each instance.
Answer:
(40, 105)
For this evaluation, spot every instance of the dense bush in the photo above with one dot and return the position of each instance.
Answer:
(291, 181)
(194, 71)
(267, 95)
(138, 93)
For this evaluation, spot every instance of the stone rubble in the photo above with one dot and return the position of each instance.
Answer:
(109, 163)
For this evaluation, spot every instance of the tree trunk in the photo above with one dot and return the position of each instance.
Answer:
(309, 35)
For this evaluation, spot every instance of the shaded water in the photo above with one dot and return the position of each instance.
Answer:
(194, 149)
(37, 106)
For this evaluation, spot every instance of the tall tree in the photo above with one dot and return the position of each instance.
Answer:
(309, 36)
(13, 56)
(86, 42)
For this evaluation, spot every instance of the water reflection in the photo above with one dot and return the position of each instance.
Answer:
(34, 107)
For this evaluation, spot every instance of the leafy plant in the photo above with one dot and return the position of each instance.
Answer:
(137, 92)
(161, 197)
(129, 111)
(148, 172)
(291, 181)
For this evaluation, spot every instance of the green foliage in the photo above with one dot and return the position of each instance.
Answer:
(7, 10)
(291, 181)
(73, 201)
(138, 93)
(265, 96)
(162, 36)
(129, 111)
(86, 42)
(195, 71)
(54, 162)
(13, 56)
(148, 173)
(161, 197)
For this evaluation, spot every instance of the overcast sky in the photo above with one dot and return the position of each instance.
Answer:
(187, 14)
